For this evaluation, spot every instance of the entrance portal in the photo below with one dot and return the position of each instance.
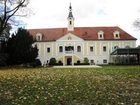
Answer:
(69, 61)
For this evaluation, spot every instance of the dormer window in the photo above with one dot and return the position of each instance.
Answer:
(39, 37)
(116, 35)
(100, 35)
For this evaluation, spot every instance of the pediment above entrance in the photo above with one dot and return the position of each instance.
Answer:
(70, 37)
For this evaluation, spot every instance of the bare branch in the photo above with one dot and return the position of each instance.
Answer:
(21, 15)
(19, 4)
(137, 24)
(11, 8)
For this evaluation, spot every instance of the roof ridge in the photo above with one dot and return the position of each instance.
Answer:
(74, 27)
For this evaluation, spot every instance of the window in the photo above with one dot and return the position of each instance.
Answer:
(91, 49)
(60, 49)
(115, 47)
(38, 36)
(104, 61)
(47, 62)
(69, 48)
(78, 48)
(127, 46)
(70, 22)
(104, 48)
(116, 35)
(78, 62)
(92, 62)
(100, 35)
(48, 50)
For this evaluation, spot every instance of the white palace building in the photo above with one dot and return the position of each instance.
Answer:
(72, 44)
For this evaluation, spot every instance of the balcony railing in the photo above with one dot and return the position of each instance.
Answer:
(69, 52)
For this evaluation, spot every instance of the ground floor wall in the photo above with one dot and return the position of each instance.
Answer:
(73, 59)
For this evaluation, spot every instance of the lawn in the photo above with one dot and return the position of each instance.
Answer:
(109, 85)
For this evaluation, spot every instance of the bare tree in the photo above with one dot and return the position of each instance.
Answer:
(9, 9)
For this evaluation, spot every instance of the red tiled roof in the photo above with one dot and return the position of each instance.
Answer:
(86, 33)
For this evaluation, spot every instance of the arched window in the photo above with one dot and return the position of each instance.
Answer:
(60, 49)
(78, 48)
(70, 22)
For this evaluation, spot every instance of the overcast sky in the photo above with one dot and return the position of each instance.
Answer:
(87, 13)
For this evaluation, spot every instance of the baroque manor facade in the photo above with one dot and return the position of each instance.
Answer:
(72, 44)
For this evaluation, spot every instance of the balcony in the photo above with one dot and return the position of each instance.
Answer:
(69, 52)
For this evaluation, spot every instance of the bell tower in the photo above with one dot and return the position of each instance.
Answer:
(70, 20)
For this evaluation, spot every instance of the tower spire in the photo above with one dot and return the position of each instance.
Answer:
(70, 11)
(70, 19)
(70, 6)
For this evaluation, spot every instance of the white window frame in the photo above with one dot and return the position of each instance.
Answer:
(92, 49)
(39, 37)
(105, 49)
(49, 49)
(60, 49)
(100, 35)
(105, 61)
(116, 35)
(78, 48)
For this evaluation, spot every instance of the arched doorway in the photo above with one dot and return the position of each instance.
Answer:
(69, 61)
